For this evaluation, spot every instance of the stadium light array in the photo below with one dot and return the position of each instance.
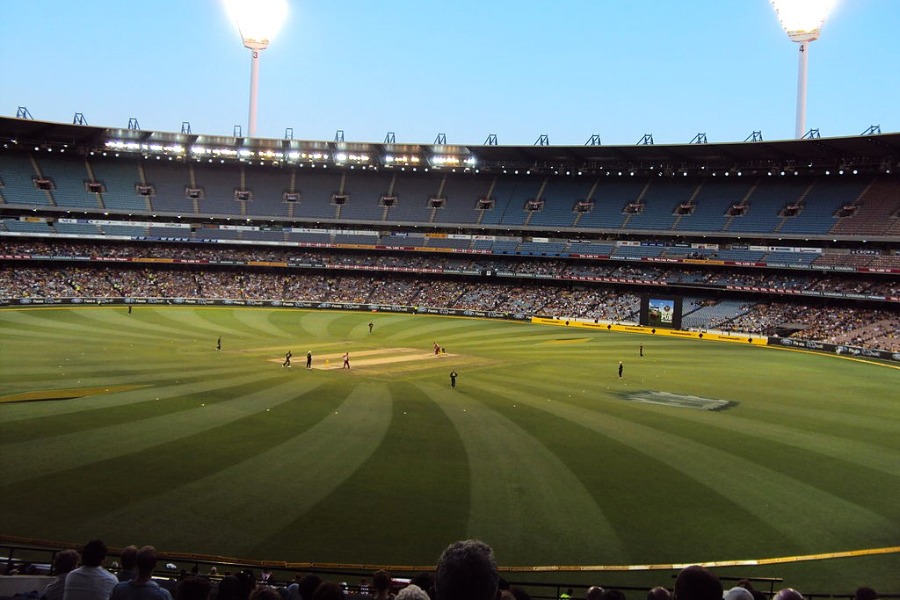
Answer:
(257, 22)
(352, 158)
(132, 146)
(452, 160)
(400, 159)
(802, 20)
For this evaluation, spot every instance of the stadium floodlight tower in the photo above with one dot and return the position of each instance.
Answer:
(802, 20)
(257, 22)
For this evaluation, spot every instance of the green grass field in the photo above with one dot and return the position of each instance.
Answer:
(135, 429)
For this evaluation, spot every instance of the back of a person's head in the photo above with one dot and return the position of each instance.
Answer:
(865, 593)
(381, 581)
(265, 592)
(593, 593)
(697, 583)
(424, 580)
(659, 593)
(229, 588)
(788, 594)
(247, 581)
(327, 590)
(412, 592)
(193, 588)
(146, 560)
(307, 586)
(467, 571)
(738, 593)
(129, 557)
(64, 561)
(93, 553)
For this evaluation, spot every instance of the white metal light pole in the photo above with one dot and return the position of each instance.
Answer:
(257, 22)
(802, 20)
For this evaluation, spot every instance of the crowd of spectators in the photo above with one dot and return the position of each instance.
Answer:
(844, 325)
(791, 281)
(539, 287)
(466, 570)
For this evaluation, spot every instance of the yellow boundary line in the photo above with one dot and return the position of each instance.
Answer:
(752, 562)
(716, 564)
(562, 568)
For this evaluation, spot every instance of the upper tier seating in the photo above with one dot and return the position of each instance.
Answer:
(877, 211)
(768, 199)
(559, 199)
(510, 196)
(844, 205)
(18, 173)
(610, 198)
(119, 178)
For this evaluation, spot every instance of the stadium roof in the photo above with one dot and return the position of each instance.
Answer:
(868, 152)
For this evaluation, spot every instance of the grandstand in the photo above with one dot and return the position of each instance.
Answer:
(738, 219)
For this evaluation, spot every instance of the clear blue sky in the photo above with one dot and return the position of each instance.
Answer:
(467, 68)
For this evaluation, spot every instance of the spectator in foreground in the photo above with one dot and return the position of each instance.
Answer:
(63, 563)
(129, 563)
(467, 571)
(697, 583)
(658, 593)
(293, 588)
(412, 592)
(738, 593)
(265, 592)
(308, 585)
(788, 594)
(229, 588)
(193, 588)
(612, 594)
(757, 594)
(90, 581)
(327, 590)
(424, 580)
(381, 581)
(142, 587)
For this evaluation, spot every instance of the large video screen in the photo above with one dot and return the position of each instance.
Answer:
(661, 311)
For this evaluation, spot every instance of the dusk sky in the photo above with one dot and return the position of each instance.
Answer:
(568, 69)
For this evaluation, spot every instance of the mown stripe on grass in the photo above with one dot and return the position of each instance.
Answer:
(317, 325)
(143, 324)
(642, 498)
(81, 322)
(63, 394)
(154, 385)
(195, 322)
(435, 329)
(793, 428)
(272, 468)
(523, 497)
(58, 443)
(268, 323)
(112, 370)
(793, 507)
(790, 434)
(404, 502)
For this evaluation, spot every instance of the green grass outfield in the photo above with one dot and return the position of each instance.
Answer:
(541, 450)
